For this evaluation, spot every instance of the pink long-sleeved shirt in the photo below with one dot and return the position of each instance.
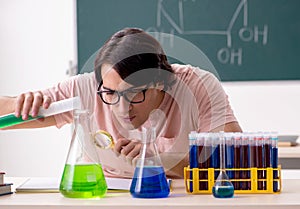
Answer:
(196, 102)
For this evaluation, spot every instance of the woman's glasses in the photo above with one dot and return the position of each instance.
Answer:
(133, 95)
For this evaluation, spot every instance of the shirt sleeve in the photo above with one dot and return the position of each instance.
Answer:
(82, 85)
(213, 105)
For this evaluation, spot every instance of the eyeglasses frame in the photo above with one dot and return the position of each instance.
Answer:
(120, 94)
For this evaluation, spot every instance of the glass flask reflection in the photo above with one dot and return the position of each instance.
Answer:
(83, 175)
(149, 180)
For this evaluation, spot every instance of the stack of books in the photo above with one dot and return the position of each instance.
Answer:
(5, 188)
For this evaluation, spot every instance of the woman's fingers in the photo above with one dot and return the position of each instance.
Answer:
(29, 103)
(46, 102)
(129, 149)
(37, 102)
(23, 105)
(28, 100)
(19, 105)
(133, 155)
(119, 145)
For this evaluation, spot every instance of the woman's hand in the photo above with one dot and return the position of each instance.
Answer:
(129, 149)
(29, 104)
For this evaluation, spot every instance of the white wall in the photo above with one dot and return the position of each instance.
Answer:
(37, 42)
(266, 106)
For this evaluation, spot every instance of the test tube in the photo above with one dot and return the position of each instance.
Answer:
(208, 156)
(215, 158)
(229, 153)
(201, 159)
(245, 161)
(268, 149)
(252, 146)
(193, 155)
(55, 108)
(237, 159)
(267, 154)
(260, 155)
(274, 160)
(253, 154)
(193, 150)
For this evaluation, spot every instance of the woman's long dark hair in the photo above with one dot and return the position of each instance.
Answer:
(136, 56)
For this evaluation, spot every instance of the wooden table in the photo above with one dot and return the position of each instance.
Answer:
(288, 198)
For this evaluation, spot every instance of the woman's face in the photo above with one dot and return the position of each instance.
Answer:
(127, 114)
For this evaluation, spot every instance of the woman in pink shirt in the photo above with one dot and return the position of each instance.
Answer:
(134, 86)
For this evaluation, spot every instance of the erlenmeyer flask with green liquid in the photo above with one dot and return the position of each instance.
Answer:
(83, 175)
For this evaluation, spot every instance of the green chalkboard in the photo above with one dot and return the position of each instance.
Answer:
(243, 40)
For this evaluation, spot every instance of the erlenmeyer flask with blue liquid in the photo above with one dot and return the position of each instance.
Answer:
(149, 180)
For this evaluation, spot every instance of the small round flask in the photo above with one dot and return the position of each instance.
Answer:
(223, 188)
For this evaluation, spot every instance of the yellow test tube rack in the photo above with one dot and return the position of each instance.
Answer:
(192, 180)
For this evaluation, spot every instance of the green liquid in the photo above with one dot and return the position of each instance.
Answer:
(83, 181)
(11, 119)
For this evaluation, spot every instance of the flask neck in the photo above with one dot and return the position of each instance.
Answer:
(82, 149)
(149, 155)
(82, 117)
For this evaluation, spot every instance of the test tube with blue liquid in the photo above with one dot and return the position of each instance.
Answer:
(229, 151)
(274, 161)
(193, 155)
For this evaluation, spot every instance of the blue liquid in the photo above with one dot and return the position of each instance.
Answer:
(193, 156)
(275, 165)
(229, 158)
(223, 191)
(215, 159)
(149, 182)
(193, 162)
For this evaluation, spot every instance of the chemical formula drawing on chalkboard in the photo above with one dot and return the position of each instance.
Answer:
(245, 40)
(224, 55)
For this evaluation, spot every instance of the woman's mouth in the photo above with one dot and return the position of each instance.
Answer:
(128, 119)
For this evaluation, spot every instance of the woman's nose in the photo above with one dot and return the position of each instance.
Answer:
(123, 105)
